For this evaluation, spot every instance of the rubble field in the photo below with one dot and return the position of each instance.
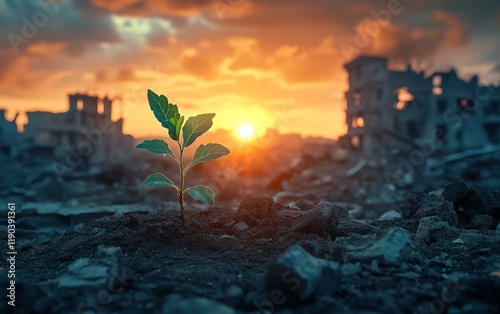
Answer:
(436, 254)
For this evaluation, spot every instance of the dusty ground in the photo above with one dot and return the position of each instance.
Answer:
(165, 263)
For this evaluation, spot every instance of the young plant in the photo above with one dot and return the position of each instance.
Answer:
(169, 117)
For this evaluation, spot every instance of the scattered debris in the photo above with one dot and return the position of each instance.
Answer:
(299, 276)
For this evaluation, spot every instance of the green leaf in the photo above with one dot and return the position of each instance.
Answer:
(156, 146)
(179, 126)
(196, 126)
(172, 132)
(208, 152)
(164, 111)
(202, 193)
(157, 179)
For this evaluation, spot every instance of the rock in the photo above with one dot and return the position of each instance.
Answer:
(240, 226)
(482, 201)
(289, 213)
(390, 215)
(299, 276)
(458, 241)
(410, 205)
(350, 269)
(320, 220)
(480, 222)
(428, 227)
(339, 210)
(254, 208)
(176, 304)
(374, 267)
(101, 271)
(391, 249)
(455, 190)
(348, 227)
(233, 295)
(436, 205)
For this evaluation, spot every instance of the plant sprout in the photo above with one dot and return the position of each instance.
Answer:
(169, 117)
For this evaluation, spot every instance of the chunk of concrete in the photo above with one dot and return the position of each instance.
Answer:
(299, 276)
(428, 227)
(100, 271)
(436, 205)
(411, 203)
(390, 215)
(254, 207)
(455, 190)
(320, 220)
(391, 249)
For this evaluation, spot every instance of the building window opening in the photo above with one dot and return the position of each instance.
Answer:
(100, 107)
(436, 83)
(404, 98)
(358, 122)
(357, 98)
(466, 105)
(441, 105)
(356, 142)
(493, 133)
(441, 133)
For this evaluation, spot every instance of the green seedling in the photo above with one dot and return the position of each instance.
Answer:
(169, 117)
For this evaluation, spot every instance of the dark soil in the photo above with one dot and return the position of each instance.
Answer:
(211, 258)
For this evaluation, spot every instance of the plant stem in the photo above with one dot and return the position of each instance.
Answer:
(181, 190)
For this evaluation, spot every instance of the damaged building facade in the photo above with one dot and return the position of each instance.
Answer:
(83, 138)
(389, 111)
(8, 135)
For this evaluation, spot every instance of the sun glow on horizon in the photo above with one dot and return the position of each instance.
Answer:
(246, 131)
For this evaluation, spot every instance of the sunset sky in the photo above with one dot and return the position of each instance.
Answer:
(268, 63)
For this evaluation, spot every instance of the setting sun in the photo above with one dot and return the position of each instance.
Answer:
(246, 131)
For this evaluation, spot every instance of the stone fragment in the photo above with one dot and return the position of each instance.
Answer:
(391, 249)
(436, 205)
(320, 220)
(390, 215)
(254, 207)
(428, 227)
(299, 276)
(410, 204)
(100, 271)
(455, 190)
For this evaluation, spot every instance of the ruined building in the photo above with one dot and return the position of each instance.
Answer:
(8, 134)
(391, 111)
(82, 138)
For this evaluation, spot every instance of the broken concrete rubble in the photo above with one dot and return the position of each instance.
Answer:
(218, 264)
(436, 205)
(104, 270)
(299, 276)
(470, 207)
(320, 220)
(455, 190)
(254, 208)
(427, 228)
(393, 248)
(390, 215)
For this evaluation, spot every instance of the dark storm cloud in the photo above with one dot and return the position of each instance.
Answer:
(299, 40)
(29, 22)
(150, 8)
